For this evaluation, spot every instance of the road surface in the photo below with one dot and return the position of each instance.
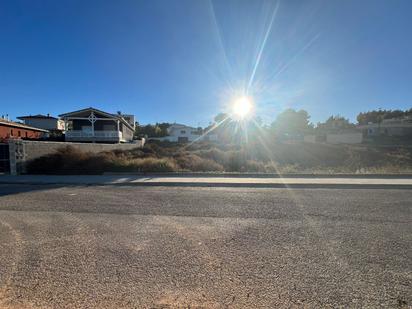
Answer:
(182, 247)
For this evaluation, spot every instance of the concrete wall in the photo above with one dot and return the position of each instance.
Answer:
(127, 133)
(24, 151)
(310, 138)
(344, 138)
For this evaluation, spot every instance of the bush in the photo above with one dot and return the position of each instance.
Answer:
(144, 165)
(207, 157)
(69, 160)
(194, 163)
(255, 167)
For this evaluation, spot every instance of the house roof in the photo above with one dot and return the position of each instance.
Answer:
(92, 109)
(179, 125)
(38, 116)
(19, 125)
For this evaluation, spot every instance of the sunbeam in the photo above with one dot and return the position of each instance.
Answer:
(262, 47)
(215, 126)
(221, 45)
(285, 66)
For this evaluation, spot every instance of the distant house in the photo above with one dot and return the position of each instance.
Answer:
(399, 127)
(343, 137)
(10, 129)
(182, 134)
(45, 122)
(93, 125)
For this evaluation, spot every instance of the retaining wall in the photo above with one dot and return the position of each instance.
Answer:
(22, 151)
(344, 138)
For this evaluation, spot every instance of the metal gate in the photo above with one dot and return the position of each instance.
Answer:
(4, 158)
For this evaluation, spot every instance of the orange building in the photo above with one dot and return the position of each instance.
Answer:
(11, 129)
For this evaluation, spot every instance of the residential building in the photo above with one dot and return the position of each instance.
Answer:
(93, 125)
(182, 134)
(399, 127)
(45, 122)
(343, 137)
(10, 129)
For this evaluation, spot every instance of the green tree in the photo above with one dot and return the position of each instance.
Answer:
(221, 117)
(292, 122)
(377, 116)
(335, 123)
(152, 130)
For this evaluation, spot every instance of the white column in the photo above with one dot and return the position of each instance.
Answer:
(92, 123)
(118, 129)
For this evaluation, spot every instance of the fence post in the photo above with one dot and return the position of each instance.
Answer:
(16, 156)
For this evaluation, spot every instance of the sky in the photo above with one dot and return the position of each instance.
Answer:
(187, 60)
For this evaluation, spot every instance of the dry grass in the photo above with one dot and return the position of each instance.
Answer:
(204, 157)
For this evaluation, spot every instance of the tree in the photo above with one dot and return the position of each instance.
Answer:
(292, 122)
(335, 123)
(377, 116)
(152, 130)
(221, 117)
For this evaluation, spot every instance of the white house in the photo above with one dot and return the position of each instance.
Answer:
(93, 125)
(182, 134)
(348, 137)
(389, 127)
(45, 122)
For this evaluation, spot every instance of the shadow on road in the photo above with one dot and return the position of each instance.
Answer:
(11, 189)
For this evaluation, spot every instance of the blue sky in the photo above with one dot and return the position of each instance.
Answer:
(185, 61)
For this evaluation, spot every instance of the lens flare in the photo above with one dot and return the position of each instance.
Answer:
(242, 107)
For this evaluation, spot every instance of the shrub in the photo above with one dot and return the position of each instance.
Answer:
(194, 163)
(147, 165)
(69, 160)
(255, 166)
(214, 154)
(205, 157)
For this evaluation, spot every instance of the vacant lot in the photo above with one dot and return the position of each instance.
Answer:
(252, 157)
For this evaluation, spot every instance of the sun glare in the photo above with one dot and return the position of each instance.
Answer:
(242, 107)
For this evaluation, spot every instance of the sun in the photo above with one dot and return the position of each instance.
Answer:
(242, 107)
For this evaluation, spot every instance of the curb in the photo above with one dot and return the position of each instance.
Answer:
(261, 175)
(223, 185)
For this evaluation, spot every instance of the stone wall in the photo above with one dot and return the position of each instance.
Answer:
(24, 151)
(310, 138)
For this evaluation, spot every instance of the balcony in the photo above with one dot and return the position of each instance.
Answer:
(104, 136)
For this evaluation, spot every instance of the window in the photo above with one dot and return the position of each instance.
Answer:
(19, 133)
(27, 135)
(11, 132)
(182, 132)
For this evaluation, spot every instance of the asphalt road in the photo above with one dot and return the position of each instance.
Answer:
(171, 247)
